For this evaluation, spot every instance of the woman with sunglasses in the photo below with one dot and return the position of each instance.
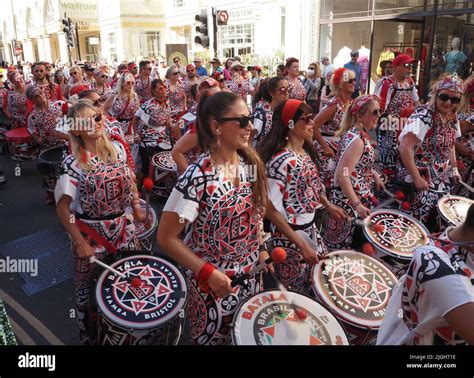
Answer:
(240, 85)
(223, 197)
(15, 102)
(295, 189)
(219, 77)
(60, 79)
(76, 77)
(186, 150)
(296, 88)
(428, 157)
(328, 122)
(123, 105)
(100, 83)
(353, 178)
(175, 93)
(101, 226)
(228, 69)
(190, 80)
(273, 93)
(42, 123)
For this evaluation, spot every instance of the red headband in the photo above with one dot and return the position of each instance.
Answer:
(289, 110)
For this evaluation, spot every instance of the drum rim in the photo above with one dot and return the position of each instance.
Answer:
(241, 305)
(344, 316)
(167, 169)
(156, 323)
(390, 252)
(64, 148)
(444, 199)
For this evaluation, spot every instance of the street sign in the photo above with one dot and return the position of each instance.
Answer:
(222, 17)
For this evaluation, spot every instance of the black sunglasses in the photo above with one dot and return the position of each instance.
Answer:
(176, 60)
(104, 77)
(351, 81)
(444, 97)
(243, 121)
(409, 65)
(221, 80)
(308, 118)
(375, 112)
(175, 73)
(98, 102)
(97, 117)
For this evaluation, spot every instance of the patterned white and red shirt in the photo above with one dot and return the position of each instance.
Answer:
(143, 88)
(176, 98)
(153, 124)
(43, 122)
(296, 89)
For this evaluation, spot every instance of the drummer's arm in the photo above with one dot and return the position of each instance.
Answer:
(108, 103)
(169, 229)
(407, 154)
(320, 120)
(134, 124)
(184, 144)
(346, 166)
(68, 221)
(460, 320)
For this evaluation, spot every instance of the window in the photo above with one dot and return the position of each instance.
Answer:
(283, 26)
(178, 3)
(150, 44)
(332, 9)
(112, 43)
(236, 38)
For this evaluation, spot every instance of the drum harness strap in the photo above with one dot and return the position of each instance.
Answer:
(93, 234)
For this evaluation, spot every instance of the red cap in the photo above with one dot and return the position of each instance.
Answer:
(402, 59)
(132, 65)
(78, 89)
(190, 66)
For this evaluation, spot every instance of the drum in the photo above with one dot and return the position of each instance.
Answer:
(145, 235)
(50, 160)
(164, 173)
(148, 314)
(453, 209)
(395, 238)
(20, 144)
(356, 289)
(271, 318)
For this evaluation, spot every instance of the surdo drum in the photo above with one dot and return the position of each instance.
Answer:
(453, 209)
(50, 160)
(145, 235)
(395, 237)
(147, 311)
(356, 289)
(272, 318)
(163, 170)
(21, 144)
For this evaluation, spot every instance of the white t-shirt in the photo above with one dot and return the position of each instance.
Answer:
(439, 279)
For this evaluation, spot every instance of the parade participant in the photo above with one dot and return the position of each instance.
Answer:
(43, 81)
(186, 150)
(133, 69)
(353, 178)
(188, 82)
(219, 77)
(42, 123)
(215, 195)
(296, 88)
(121, 69)
(122, 106)
(216, 66)
(295, 188)
(175, 93)
(76, 77)
(433, 303)
(101, 226)
(143, 82)
(328, 122)
(61, 80)
(239, 84)
(398, 96)
(100, 83)
(181, 69)
(151, 122)
(281, 70)
(15, 102)
(227, 69)
(273, 93)
(427, 148)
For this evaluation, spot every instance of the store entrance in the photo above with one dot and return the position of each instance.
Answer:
(392, 37)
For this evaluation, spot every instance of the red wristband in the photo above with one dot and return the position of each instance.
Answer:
(205, 272)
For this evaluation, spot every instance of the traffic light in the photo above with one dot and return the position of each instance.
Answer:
(69, 30)
(203, 30)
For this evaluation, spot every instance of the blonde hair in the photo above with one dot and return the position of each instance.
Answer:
(106, 150)
(348, 121)
(336, 89)
(76, 68)
(120, 91)
(317, 71)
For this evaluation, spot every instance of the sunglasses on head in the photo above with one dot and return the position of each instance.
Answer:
(307, 118)
(243, 121)
(444, 97)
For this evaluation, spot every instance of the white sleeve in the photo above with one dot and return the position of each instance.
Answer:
(458, 130)
(418, 124)
(414, 94)
(68, 182)
(277, 179)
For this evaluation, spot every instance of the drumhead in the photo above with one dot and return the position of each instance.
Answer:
(159, 298)
(354, 287)
(164, 161)
(18, 135)
(53, 155)
(140, 229)
(269, 318)
(400, 233)
(454, 208)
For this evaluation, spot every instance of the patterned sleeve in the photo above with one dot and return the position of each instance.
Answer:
(384, 91)
(32, 129)
(143, 114)
(419, 123)
(187, 194)
(68, 182)
(259, 118)
(277, 173)
(439, 288)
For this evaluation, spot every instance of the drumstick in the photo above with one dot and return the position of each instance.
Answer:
(148, 187)
(466, 186)
(135, 281)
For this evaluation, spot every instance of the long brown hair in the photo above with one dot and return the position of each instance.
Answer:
(218, 106)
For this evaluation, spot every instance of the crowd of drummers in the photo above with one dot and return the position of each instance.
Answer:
(296, 161)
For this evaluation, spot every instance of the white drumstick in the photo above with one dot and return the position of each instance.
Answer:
(466, 185)
(93, 259)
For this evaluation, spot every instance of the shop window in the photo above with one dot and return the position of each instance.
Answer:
(150, 44)
(334, 9)
(239, 37)
(283, 25)
(385, 7)
(112, 43)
